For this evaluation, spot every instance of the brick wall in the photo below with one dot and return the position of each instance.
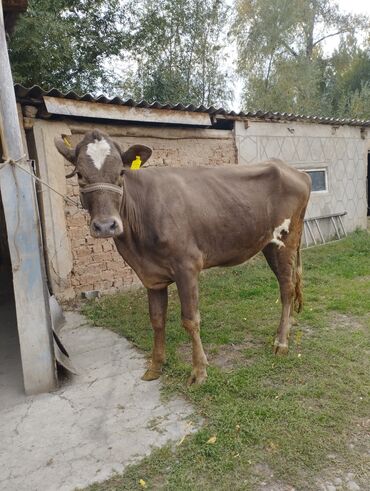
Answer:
(96, 263)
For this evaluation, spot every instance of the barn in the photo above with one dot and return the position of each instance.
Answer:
(334, 152)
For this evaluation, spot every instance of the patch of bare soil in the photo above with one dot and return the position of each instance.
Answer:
(348, 322)
(363, 279)
(225, 356)
(339, 476)
(266, 479)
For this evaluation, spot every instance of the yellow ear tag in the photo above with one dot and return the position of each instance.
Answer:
(136, 163)
(67, 142)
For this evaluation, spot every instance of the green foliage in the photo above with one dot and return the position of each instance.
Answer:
(282, 61)
(277, 420)
(64, 43)
(178, 48)
(164, 50)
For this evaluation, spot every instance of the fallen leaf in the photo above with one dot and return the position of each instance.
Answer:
(212, 439)
(181, 441)
(143, 483)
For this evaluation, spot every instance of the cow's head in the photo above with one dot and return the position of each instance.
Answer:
(100, 166)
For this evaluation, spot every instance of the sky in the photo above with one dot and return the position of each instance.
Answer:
(355, 6)
(348, 6)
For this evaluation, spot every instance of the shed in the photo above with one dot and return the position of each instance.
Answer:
(334, 151)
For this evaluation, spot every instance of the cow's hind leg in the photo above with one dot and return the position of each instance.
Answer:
(187, 286)
(282, 262)
(158, 300)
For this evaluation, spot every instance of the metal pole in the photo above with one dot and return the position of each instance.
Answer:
(23, 230)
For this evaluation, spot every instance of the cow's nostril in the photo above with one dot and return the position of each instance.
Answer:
(113, 225)
(105, 227)
(96, 227)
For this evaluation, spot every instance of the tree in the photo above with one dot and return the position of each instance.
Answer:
(64, 43)
(168, 50)
(347, 80)
(281, 55)
(178, 48)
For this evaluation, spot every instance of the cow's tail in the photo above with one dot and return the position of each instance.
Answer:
(298, 295)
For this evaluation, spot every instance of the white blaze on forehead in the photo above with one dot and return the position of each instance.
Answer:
(276, 235)
(98, 151)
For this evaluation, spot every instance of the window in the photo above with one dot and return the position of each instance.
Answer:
(319, 179)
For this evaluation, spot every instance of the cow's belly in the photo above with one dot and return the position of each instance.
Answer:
(232, 258)
(233, 249)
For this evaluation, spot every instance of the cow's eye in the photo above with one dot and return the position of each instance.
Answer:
(122, 172)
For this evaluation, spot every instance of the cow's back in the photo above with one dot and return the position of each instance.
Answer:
(224, 213)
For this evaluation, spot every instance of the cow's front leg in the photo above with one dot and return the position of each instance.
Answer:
(158, 300)
(187, 286)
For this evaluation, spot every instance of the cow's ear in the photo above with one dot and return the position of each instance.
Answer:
(136, 151)
(67, 151)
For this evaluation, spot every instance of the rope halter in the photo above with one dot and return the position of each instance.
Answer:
(100, 186)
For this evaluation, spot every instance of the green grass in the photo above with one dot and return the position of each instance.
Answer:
(293, 416)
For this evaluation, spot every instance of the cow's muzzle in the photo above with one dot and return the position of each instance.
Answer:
(106, 227)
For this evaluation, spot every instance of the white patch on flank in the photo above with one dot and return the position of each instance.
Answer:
(276, 236)
(98, 151)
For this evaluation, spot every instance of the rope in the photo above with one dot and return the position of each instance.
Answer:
(11, 161)
(102, 185)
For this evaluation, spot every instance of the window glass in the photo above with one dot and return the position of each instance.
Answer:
(318, 179)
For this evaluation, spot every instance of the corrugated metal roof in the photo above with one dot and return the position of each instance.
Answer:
(35, 94)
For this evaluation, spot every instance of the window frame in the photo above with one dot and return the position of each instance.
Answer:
(326, 174)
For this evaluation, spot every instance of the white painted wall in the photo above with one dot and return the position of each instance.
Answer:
(308, 146)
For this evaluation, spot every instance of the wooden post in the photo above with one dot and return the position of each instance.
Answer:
(23, 228)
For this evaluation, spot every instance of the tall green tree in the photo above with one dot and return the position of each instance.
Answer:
(348, 80)
(65, 43)
(281, 55)
(178, 47)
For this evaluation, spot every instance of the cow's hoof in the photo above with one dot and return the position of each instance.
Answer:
(280, 349)
(197, 377)
(151, 374)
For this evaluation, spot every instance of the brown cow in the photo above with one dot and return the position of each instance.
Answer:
(170, 223)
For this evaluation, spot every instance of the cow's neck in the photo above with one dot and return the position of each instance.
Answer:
(131, 243)
(131, 210)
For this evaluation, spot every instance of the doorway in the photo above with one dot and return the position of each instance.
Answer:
(11, 376)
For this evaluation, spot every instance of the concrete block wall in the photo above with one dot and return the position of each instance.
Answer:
(96, 263)
(341, 150)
